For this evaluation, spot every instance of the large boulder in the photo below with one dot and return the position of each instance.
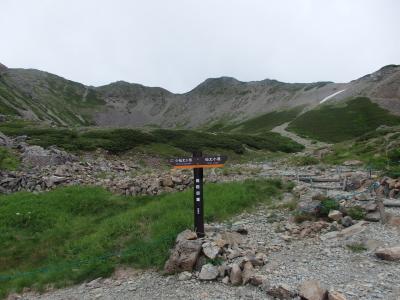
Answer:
(184, 255)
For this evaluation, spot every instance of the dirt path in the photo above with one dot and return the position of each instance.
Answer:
(281, 129)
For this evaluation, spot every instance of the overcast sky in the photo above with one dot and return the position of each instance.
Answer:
(177, 44)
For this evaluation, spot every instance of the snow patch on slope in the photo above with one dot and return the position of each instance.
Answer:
(331, 96)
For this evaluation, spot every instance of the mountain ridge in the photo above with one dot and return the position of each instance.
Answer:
(38, 95)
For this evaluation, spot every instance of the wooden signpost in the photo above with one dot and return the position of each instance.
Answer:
(198, 162)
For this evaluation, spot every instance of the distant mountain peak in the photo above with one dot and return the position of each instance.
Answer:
(211, 85)
(3, 67)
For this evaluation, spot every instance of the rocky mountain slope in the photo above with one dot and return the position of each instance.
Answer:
(38, 95)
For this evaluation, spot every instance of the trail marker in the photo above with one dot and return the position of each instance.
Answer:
(198, 162)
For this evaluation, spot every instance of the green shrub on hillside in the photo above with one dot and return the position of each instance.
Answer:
(332, 123)
(190, 140)
(267, 121)
(122, 140)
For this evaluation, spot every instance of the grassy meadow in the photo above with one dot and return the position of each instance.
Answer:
(73, 234)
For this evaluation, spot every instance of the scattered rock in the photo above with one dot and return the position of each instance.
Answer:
(347, 221)
(312, 290)
(236, 275)
(333, 295)
(211, 250)
(281, 291)
(183, 257)
(373, 217)
(392, 254)
(184, 276)
(232, 238)
(248, 272)
(257, 280)
(208, 272)
(391, 203)
(335, 215)
(225, 280)
(186, 235)
(38, 157)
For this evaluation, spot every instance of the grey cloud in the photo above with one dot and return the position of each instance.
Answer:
(177, 44)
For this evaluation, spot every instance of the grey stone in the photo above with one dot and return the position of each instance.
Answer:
(211, 250)
(335, 215)
(281, 291)
(248, 272)
(184, 276)
(391, 254)
(183, 257)
(334, 295)
(347, 221)
(312, 290)
(236, 275)
(208, 272)
(373, 216)
(186, 235)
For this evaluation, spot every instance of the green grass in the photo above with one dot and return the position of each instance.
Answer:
(337, 123)
(8, 160)
(163, 150)
(356, 213)
(303, 161)
(55, 230)
(122, 140)
(259, 124)
(378, 149)
(327, 205)
(357, 247)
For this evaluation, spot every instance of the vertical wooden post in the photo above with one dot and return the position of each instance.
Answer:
(198, 198)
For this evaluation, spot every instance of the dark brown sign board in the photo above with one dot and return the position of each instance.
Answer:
(198, 162)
